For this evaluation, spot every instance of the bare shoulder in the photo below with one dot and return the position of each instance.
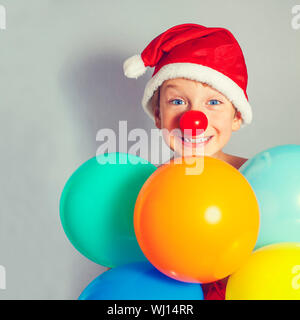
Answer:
(235, 161)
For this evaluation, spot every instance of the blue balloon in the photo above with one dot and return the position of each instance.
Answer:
(139, 281)
(274, 175)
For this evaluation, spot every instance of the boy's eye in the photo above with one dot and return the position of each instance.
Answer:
(177, 101)
(214, 102)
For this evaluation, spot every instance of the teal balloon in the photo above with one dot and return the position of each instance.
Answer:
(97, 206)
(274, 175)
(139, 281)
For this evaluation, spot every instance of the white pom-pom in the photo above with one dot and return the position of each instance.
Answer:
(134, 67)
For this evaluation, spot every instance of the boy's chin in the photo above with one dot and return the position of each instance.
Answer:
(188, 152)
(181, 150)
(199, 152)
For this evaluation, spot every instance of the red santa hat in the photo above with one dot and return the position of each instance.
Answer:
(192, 51)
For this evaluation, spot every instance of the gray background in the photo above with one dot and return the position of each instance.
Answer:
(61, 80)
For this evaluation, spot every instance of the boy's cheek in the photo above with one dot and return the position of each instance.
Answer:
(170, 121)
(222, 123)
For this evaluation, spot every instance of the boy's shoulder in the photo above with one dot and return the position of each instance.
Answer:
(235, 161)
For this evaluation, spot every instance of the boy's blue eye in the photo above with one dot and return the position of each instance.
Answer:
(213, 102)
(177, 101)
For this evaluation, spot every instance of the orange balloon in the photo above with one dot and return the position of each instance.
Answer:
(196, 227)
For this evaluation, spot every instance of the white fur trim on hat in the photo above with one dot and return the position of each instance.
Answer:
(200, 73)
(134, 67)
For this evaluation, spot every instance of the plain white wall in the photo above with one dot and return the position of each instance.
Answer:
(61, 80)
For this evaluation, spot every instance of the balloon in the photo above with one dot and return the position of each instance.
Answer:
(97, 205)
(274, 175)
(139, 281)
(196, 227)
(271, 273)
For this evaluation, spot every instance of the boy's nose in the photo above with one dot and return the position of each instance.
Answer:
(193, 122)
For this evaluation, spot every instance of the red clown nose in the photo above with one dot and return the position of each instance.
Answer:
(193, 122)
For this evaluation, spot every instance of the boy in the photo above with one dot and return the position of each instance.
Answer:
(168, 105)
(196, 68)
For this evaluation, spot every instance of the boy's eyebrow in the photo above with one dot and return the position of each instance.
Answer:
(171, 86)
(216, 94)
(176, 86)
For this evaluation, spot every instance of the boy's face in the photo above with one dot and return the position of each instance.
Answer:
(180, 95)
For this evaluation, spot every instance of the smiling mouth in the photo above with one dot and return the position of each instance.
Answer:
(197, 140)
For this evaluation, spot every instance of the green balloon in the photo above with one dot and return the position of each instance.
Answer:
(97, 206)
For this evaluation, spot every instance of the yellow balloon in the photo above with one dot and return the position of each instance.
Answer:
(271, 273)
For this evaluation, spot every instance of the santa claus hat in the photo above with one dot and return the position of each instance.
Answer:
(192, 51)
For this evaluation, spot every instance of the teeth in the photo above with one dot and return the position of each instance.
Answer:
(199, 140)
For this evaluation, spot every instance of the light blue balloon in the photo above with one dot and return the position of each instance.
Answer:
(274, 175)
(139, 281)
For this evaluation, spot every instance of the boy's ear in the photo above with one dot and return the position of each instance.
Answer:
(156, 113)
(156, 109)
(237, 121)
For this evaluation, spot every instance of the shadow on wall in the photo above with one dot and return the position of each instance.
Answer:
(98, 95)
